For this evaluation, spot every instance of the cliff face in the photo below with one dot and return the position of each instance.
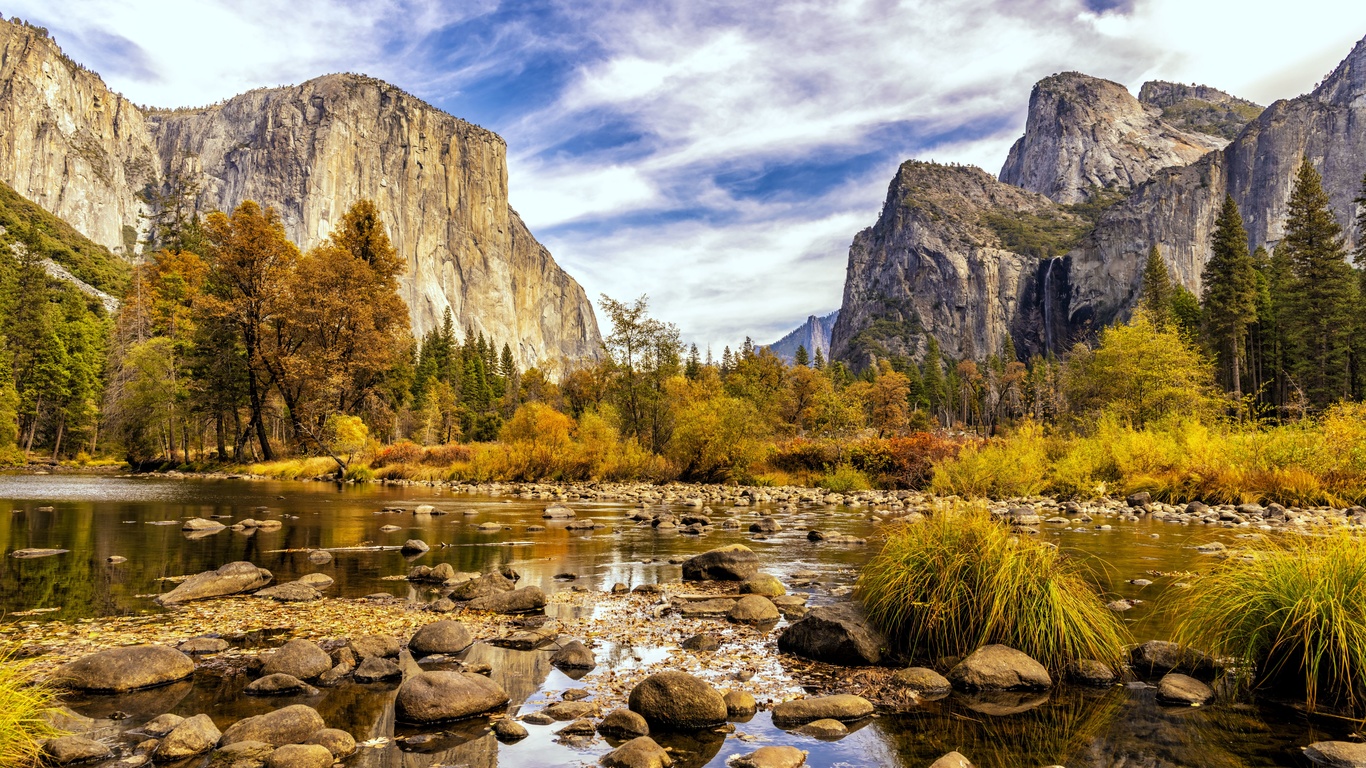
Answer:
(814, 335)
(1200, 108)
(1084, 134)
(309, 151)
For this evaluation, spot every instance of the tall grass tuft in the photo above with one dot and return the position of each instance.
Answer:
(25, 704)
(959, 580)
(1294, 607)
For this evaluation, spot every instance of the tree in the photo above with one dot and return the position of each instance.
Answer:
(889, 402)
(801, 358)
(1156, 292)
(1323, 293)
(645, 352)
(1230, 293)
(936, 392)
(820, 360)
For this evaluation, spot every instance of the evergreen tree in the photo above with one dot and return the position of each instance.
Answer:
(801, 358)
(1230, 293)
(693, 368)
(1155, 293)
(1323, 293)
(507, 366)
(820, 359)
(936, 394)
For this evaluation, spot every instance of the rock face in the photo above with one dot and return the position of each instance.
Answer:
(1085, 134)
(126, 669)
(231, 579)
(814, 335)
(1200, 108)
(310, 150)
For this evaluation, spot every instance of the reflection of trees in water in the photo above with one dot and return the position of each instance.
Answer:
(690, 750)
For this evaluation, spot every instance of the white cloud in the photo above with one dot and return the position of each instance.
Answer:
(554, 195)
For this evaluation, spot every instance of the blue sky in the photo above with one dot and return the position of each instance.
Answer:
(717, 156)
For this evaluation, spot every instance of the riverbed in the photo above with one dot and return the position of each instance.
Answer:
(77, 600)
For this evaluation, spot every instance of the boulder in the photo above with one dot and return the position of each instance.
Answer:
(771, 757)
(733, 563)
(623, 724)
(573, 655)
(677, 701)
(300, 756)
(489, 584)
(1093, 673)
(231, 579)
(414, 547)
(317, 580)
(294, 724)
(739, 705)
(319, 557)
(753, 609)
(445, 636)
(762, 584)
(201, 645)
(765, 525)
(161, 725)
(702, 642)
(825, 730)
(1158, 657)
(999, 668)
(562, 711)
(1337, 754)
(952, 760)
(301, 658)
(508, 731)
(275, 684)
(193, 736)
(835, 634)
(340, 743)
(434, 697)
(1176, 688)
(557, 512)
(130, 668)
(640, 752)
(366, 646)
(70, 750)
(29, 554)
(198, 525)
(290, 592)
(242, 754)
(921, 680)
(376, 668)
(522, 600)
(843, 707)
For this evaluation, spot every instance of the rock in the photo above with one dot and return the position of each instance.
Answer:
(521, 600)
(1337, 754)
(999, 668)
(825, 730)
(538, 718)
(1176, 688)
(434, 697)
(161, 725)
(771, 757)
(193, 736)
(389, 528)
(340, 743)
(129, 668)
(765, 525)
(753, 609)
(414, 547)
(623, 724)
(242, 754)
(573, 655)
(733, 563)
(509, 731)
(530, 638)
(199, 525)
(231, 579)
(290, 592)
(294, 724)
(562, 711)
(702, 642)
(718, 606)
(301, 658)
(843, 707)
(1093, 673)
(383, 646)
(921, 680)
(275, 684)
(202, 645)
(557, 512)
(677, 701)
(316, 580)
(762, 584)
(1139, 499)
(116, 559)
(791, 606)
(952, 760)
(489, 527)
(300, 756)
(446, 636)
(640, 752)
(444, 605)
(319, 557)
(1158, 657)
(70, 750)
(739, 705)
(376, 668)
(835, 634)
(29, 554)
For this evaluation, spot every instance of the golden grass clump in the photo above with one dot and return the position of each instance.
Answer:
(1293, 607)
(25, 704)
(959, 580)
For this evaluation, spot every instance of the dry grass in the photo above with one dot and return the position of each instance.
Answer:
(25, 704)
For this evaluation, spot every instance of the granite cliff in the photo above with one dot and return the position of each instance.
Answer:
(311, 150)
(814, 334)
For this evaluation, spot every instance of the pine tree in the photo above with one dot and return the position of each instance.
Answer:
(1230, 293)
(1323, 293)
(820, 359)
(506, 364)
(727, 360)
(935, 393)
(693, 368)
(1155, 292)
(801, 358)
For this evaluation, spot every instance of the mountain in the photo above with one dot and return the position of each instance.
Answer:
(93, 158)
(1043, 256)
(814, 334)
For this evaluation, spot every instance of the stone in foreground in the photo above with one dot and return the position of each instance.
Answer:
(231, 579)
(300, 756)
(771, 757)
(835, 634)
(640, 752)
(1337, 754)
(446, 636)
(573, 655)
(952, 760)
(340, 743)
(623, 724)
(733, 563)
(825, 730)
(300, 658)
(999, 668)
(677, 701)
(294, 724)
(522, 600)
(118, 670)
(1176, 688)
(192, 736)
(921, 680)
(71, 750)
(435, 697)
(843, 707)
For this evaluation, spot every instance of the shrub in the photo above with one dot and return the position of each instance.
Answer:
(1294, 607)
(406, 452)
(902, 462)
(445, 455)
(1016, 466)
(717, 439)
(844, 479)
(24, 706)
(803, 455)
(959, 580)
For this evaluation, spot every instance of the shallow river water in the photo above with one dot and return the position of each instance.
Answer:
(95, 517)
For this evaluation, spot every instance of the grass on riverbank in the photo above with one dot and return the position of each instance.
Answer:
(24, 706)
(1295, 608)
(959, 579)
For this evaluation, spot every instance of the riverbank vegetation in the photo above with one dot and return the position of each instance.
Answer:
(25, 708)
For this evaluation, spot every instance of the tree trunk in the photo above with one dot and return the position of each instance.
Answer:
(262, 437)
(33, 426)
(57, 444)
(218, 429)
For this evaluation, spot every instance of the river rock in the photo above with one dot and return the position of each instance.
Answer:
(29, 554)
(384, 646)
(300, 756)
(999, 668)
(290, 592)
(161, 725)
(202, 527)
(193, 736)
(952, 760)
(509, 731)
(835, 634)
(557, 512)
(733, 563)
(640, 752)
(843, 707)
(376, 668)
(316, 580)
(1158, 657)
(1176, 688)
(765, 525)
(300, 658)
(490, 583)
(753, 609)
(771, 757)
(562, 711)
(275, 684)
(242, 754)
(445, 636)
(319, 557)
(623, 724)
(202, 645)
(1337, 754)
(231, 579)
(294, 724)
(739, 705)
(573, 655)
(1093, 673)
(762, 584)
(921, 680)
(414, 547)
(130, 668)
(702, 642)
(338, 742)
(70, 750)
(522, 600)
(825, 730)
(434, 697)
(677, 701)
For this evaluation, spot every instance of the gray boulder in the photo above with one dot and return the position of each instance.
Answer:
(301, 658)
(999, 668)
(740, 705)
(375, 645)
(130, 668)
(414, 547)
(573, 655)
(843, 707)
(677, 701)
(1337, 754)
(434, 697)
(640, 752)
(300, 756)
(376, 668)
(290, 592)
(1176, 688)
(753, 609)
(623, 724)
(522, 600)
(340, 743)
(231, 579)
(771, 757)
(193, 736)
(922, 680)
(275, 684)
(1158, 657)
(733, 563)
(71, 750)
(445, 636)
(294, 724)
(835, 634)
(952, 760)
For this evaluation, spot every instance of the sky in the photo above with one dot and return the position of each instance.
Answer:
(718, 157)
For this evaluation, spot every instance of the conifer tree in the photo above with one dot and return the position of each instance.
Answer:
(693, 368)
(801, 358)
(820, 359)
(1230, 293)
(1323, 295)
(935, 392)
(1155, 293)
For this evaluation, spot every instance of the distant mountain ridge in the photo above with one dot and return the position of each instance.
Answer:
(814, 334)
